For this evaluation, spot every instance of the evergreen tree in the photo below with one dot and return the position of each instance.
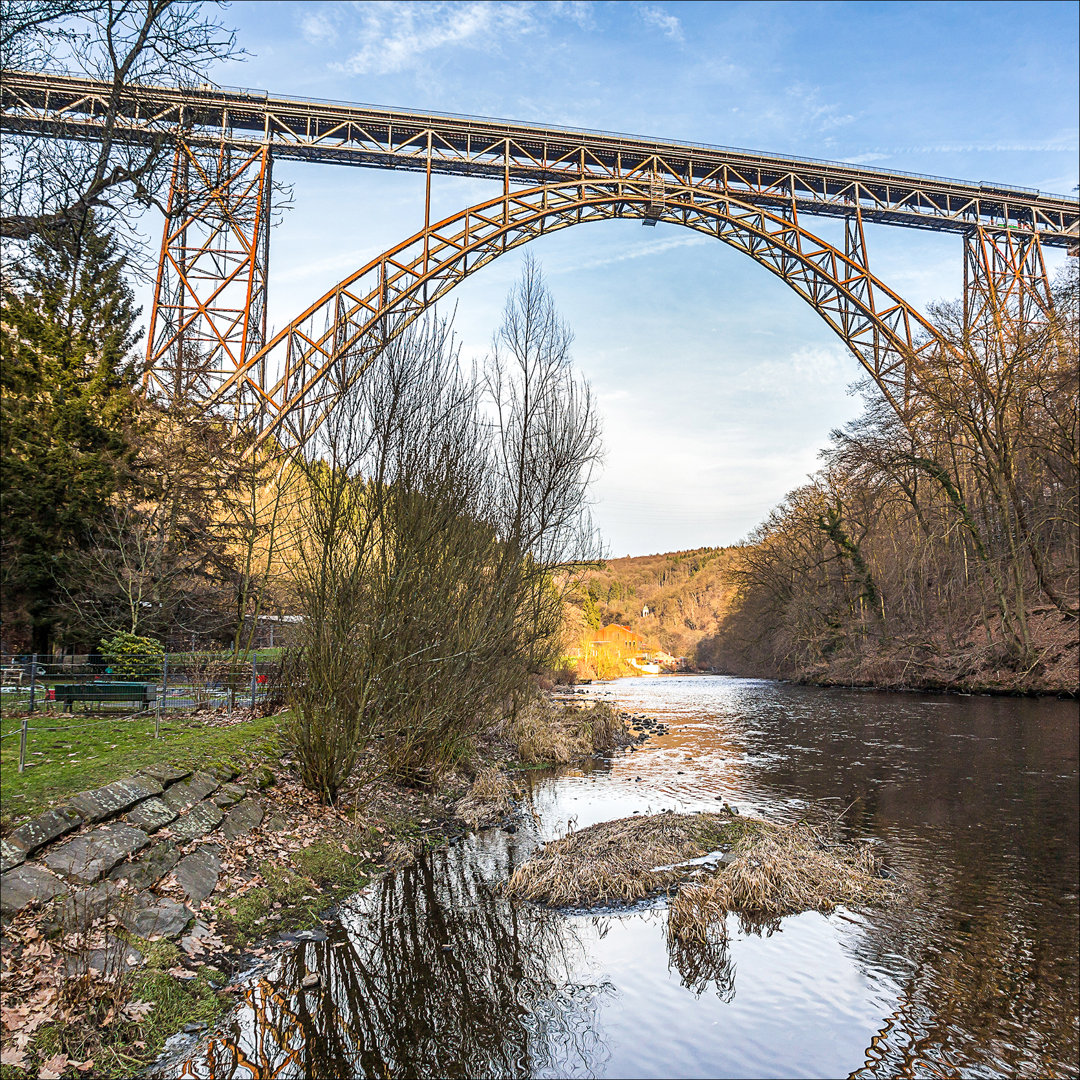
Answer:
(66, 397)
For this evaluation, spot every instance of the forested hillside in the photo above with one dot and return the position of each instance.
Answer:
(686, 594)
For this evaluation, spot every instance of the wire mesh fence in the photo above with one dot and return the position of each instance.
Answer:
(92, 690)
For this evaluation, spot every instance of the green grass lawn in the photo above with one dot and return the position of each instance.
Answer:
(75, 756)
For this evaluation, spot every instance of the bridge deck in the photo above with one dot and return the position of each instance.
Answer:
(520, 154)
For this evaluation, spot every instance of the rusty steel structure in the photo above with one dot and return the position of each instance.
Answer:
(208, 341)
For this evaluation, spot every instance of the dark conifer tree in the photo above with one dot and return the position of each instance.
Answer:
(68, 370)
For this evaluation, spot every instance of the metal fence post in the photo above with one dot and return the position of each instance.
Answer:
(164, 691)
(253, 683)
(22, 742)
(33, 679)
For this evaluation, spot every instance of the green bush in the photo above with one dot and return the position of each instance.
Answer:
(129, 654)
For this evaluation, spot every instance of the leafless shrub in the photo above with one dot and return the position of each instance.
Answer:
(432, 533)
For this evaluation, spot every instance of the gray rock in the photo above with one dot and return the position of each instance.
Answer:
(166, 774)
(243, 817)
(85, 858)
(274, 823)
(224, 773)
(10, 856)
(115, 958)
(181, 797)
(85, 905)
(310, 981)
(112, 798)
(151, 815)
(28, 886)
(150, 867)
(198, 872)
(229, 795)
(262, 777)
(150, 916)
(45, 828)
(197, 822)
(194, 941)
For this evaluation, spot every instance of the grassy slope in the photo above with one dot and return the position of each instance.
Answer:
(76, 756)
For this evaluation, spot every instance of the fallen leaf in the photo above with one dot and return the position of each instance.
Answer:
(12, 1056)
(181, 973)
(54, 1068)
(88, 1064)
(138, 1010)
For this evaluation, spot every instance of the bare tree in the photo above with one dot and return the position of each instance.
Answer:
(51, 183)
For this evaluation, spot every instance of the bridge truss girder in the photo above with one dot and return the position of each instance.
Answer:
(529, 155)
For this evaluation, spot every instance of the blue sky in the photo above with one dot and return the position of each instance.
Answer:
(717, 384)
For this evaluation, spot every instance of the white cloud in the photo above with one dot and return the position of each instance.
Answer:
(317, 27)
(668, 24)
(398, 37)
(812, 111)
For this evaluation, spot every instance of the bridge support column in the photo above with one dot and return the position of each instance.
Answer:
(209, 313)
(1005, 279)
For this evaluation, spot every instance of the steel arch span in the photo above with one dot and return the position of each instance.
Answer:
(289, 385)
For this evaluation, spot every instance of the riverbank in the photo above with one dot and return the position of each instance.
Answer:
(977, 665)
(102, 962)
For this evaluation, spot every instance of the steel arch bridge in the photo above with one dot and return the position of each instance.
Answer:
(208, 342)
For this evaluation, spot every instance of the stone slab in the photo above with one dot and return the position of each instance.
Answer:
(166, 774)
(149, 867)
(10, 856)
(184, 796)
(115, 958)
(198, 872)
(198, 939)
(150, 815)
(83, 906)
(243, 817)
(45, 828)
(229, 795)
(151, 917)
(115, 797)
(28, 886)
(262, 777)
(84, 859)
(198, 821)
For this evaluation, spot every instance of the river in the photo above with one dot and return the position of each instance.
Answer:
(975, 973)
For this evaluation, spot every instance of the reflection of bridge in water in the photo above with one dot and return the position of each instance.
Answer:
(209, 344)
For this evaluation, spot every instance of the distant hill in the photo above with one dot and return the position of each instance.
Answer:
(686, 594)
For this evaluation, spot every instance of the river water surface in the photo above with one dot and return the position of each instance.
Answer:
(975, 800)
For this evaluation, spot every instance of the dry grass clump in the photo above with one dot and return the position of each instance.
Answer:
(399, 855)
(780, 871)
(616, 861)
(544, 732)
(490, 798)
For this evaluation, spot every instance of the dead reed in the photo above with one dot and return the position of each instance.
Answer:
(623, 860)
(489, 800)
(779, 871)
(544, 732)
